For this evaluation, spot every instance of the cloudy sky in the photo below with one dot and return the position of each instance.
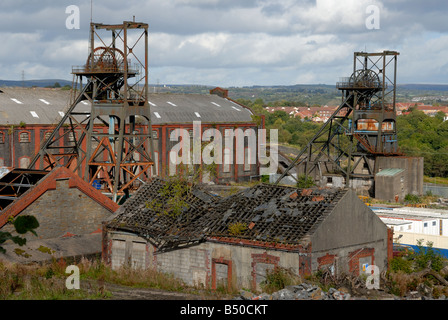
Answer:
(234, 42)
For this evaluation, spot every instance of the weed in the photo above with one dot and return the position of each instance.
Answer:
(237, 228)
(278, 278)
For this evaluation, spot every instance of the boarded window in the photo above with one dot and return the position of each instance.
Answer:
(138, 257)
(24, 137)
(47, 135)
(156, 162)
(247, 159)
(118, 254)
(24, 162)
(227, 160)
(71, 136)
(221, 275)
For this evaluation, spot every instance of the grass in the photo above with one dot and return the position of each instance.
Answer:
(436, 180)
(47, 281)
(38, 282)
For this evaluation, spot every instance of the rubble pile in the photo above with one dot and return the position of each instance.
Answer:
(302, 291)
(307, 291)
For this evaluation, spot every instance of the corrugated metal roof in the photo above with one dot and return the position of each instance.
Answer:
(412, 213)
(390, 172)
(47, 106)
(32, 105)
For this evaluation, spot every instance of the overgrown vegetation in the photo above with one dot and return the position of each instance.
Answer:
(173, 194)
(278, 278)
(37, 282)
(179, 185)
(237, 228)
(421, 269)
(418, 269)
(47, 281)
(305, 181)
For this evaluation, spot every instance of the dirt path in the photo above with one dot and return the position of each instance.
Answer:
(119, 292)
(125, 293)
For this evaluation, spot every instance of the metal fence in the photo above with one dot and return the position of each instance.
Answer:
(435, 189)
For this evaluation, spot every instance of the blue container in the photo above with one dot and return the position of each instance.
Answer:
(96, 184)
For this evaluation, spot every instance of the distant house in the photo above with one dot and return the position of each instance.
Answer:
(233, 241)
(432, 110)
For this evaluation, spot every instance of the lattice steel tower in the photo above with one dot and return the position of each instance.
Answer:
(116, 95)
(361, 129)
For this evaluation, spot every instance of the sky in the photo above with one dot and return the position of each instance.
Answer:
(233, 43)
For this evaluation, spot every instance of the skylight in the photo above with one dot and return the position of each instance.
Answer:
(16, 101)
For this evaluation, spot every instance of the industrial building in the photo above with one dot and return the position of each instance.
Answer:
(359, 139)
(232, 241)
(29, 115)
(109, 135)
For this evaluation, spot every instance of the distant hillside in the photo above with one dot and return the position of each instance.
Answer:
(34, 83)
(308, 94)
(424, 87)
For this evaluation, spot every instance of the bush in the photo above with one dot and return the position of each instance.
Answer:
(412, 198)
(398, 264)
(277, 278)
(305, 181)
(427, 256)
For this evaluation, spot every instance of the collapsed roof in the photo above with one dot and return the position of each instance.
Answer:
(265, 213)
(141, 214)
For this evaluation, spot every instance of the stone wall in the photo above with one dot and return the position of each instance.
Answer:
(64, 211)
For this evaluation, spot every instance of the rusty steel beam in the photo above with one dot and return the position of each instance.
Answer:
(369, 94)
(112, 95)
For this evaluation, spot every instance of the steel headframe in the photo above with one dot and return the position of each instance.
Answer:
(115, 96)
(362, 128)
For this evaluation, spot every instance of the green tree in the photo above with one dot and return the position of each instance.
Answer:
(305, 181)
(22, 225)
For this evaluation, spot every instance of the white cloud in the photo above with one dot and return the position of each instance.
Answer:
(231, 42)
